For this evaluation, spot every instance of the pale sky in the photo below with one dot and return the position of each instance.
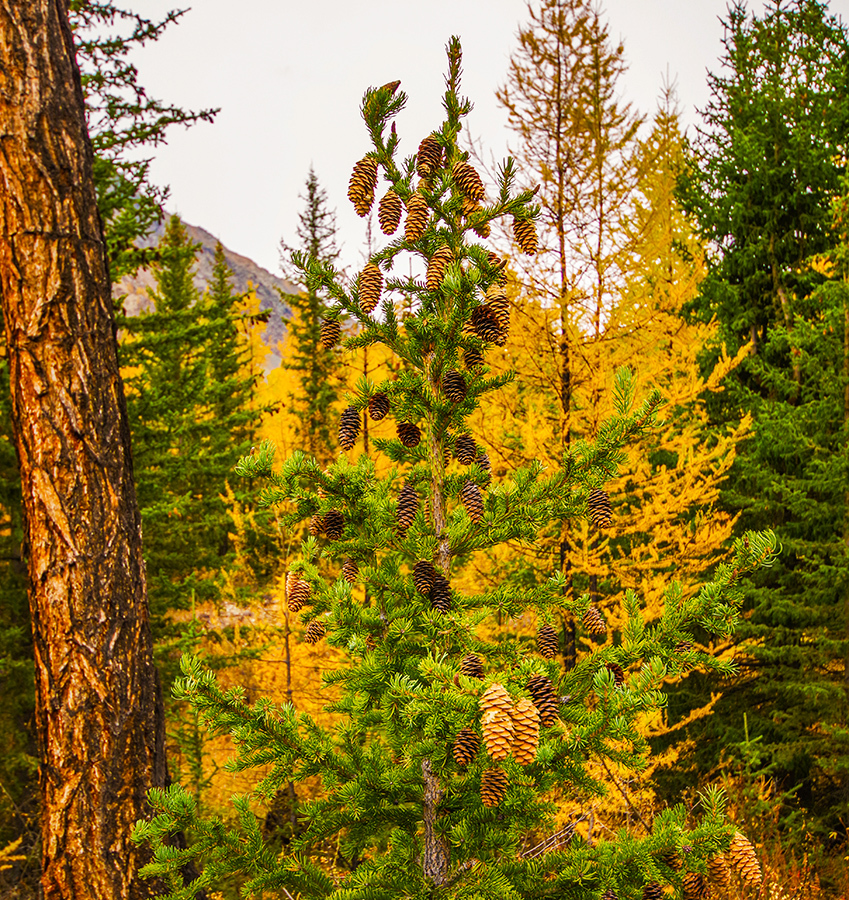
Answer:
(289, 78)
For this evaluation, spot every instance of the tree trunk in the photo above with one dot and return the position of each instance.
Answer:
(98, 708)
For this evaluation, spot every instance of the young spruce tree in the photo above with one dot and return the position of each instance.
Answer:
(440, 779)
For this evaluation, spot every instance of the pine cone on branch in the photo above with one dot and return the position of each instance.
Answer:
(436, 267)
(744, 859)
(525, 233)
(371, 286)
(334, 524)
(378, 406)
(493, 786)
(594, 622)
(349, 427)
(409, 434)
(694, 886)
(315, 631)
(440, 593)
(454, 386)
(362, 185)
(598, 505)
(423, 575)
(350, 570)
(471, 666)
(298, 592)
(720, 874)
(470, 495)
(330, 331)
(545, 700)
(417, 216)
(465, 449)
(389, 212)
(547, 641)
(408, 506)
(472, 358)
(466, 747)
(497, 728)
(468, 180)
(525, 731)
(429, 157)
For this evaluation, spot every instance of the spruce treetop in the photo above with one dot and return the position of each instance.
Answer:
(452, 748)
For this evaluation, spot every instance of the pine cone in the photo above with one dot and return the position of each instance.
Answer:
(371, 285)
(316, 527)
(454, 386)
(619, 680)
(482, 229)
(525, 233)
(598, 505)
(315, 631)
(652, 891)
(330, 331)
(493, 786)
(497, 728)
(465, 449)
(408, 506)
(466, 746)
(362, 185)
(472, 358)
(547, 642)
(594, 622)
(417, 216)
(436, 267)
(744, 859)
(429, 157)
(496, 297)
(378, 406)
(349, 428)
(423, 572)
(525, 731)
(545, 700)
(334, 524)
(694, 886)
(470, 495)
(298, 592)
(440, 593)
(485, 324)
(389, 212)
(719, 872)
(471, 666)
(370, 642)
(468, 180)
(496, 697)
(409, 434)
(350, 570)
(483, 462)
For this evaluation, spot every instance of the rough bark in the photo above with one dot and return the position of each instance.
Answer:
(98, 709)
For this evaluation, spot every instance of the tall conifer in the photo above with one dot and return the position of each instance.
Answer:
(442, 774)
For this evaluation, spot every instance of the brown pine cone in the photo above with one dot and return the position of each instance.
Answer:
(389, 212)
(493, 786)
(652, 891)
(417, 216)
(468, 180)
(454, 386)
(472, 358)
(378, 406)
(744, 859)
(330, 331)
(298, 592)
(349, 428)
(429, 157)
(470, 496)
(545, 700)
(525, 233)
(316, 526)
(594, 622)
(315, 631)
(465, 449)
(694, 886)
(547, 642)
(423, 573)
(496, 697)
(334, 524)
(362, 185)
(440, 593)
(436, 267)
(497, 728)
(409, 434)
(719, 872)
(371, 286)
(598, 506)
(466, 747)
(408, 506)
(350, 570)
(471, 666)
(485, 324)
(525, 731)
(619, 679)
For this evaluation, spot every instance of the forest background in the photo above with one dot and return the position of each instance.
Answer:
(716, 267)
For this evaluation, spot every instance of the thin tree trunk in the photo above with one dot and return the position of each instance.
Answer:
(98, 708)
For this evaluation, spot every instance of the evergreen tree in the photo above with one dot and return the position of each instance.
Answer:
(191, 419)
(306, 354)
(767, 164)
(450, 749)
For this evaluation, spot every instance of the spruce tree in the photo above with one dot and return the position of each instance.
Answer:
(442, 775)
(306, 353)
(768, 161)
(191, 419)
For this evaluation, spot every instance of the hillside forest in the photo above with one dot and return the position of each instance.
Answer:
(525, 573)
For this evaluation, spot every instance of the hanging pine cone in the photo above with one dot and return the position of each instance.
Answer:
(594, 621)
(484, 323)
(350, 570)
(472, 358)
(652, 891)
(470, 207)
(542, 690)
(496, 297)
(525, 731)
(315, 631)
(436, 267)
(389, 212)
(465, 449)
(468, 180)
(493, 786)
(429, 157)
(466, 746)
(719, 872)
(440, 593)
(482, 229)
(619, 679)
(423, 572)
(471, 498)
(334, 524)
(378, 406)
(497, 728)
(371, 284)
(694, 886)
(744, 859)
(454, 386)
(349, 427)
(547, 642)
(316, 527)
(525, 233)
(417, 216)
(496, 697)
(362, 184)
(409, 434)
(330, 331)
(598, 505)
(408, 506)
(298, 592)
(471, 666)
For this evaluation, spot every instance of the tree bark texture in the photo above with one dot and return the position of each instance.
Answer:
(99, 711)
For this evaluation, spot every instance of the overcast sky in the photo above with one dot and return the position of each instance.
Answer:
(289, 78)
